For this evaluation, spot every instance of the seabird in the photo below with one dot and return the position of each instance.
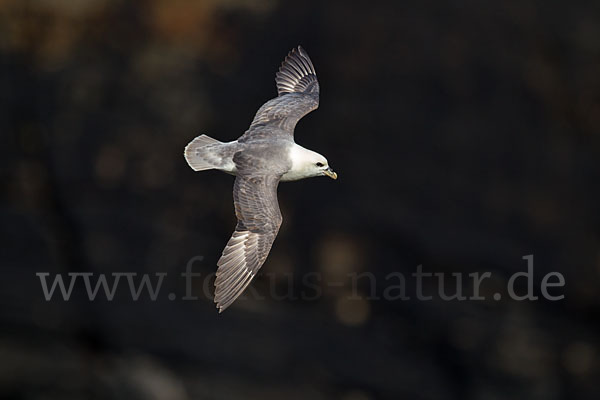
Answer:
(262, 157)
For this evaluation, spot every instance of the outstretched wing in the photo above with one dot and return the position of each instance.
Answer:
(298, 90)
(259, 219)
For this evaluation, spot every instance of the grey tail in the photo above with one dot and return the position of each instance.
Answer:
(196, 151)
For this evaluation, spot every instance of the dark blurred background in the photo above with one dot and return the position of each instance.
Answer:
(465, 134)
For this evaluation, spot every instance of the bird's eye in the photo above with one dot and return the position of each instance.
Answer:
(319, 164)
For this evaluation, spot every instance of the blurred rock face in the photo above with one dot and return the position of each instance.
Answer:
(465, 137)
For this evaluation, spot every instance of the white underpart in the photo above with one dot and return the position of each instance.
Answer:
(303, 163)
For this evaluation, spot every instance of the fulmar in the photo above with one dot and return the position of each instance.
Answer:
(262, 157)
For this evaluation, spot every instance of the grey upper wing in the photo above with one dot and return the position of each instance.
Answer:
(259, 219)
(298, 94)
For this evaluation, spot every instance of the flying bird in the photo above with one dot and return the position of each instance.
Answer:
(262, 157)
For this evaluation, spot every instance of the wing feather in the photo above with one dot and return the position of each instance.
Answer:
(297, 74)
(259, 219)
(298, 94)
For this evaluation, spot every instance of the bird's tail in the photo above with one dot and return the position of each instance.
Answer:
(197, 153)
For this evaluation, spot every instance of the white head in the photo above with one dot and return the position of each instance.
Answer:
(307, 164)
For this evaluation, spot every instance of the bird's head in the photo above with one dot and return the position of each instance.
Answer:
(321, 167)
(307, 163)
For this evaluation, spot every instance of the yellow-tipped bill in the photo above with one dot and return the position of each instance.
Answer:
(330, 173)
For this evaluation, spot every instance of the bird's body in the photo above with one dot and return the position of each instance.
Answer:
(262, 157)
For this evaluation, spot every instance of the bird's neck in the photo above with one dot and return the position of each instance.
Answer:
(301, 160)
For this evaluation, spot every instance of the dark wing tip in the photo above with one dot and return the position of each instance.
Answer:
(297, 74)
(237, 268)
(228, 289)
(302, 52)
